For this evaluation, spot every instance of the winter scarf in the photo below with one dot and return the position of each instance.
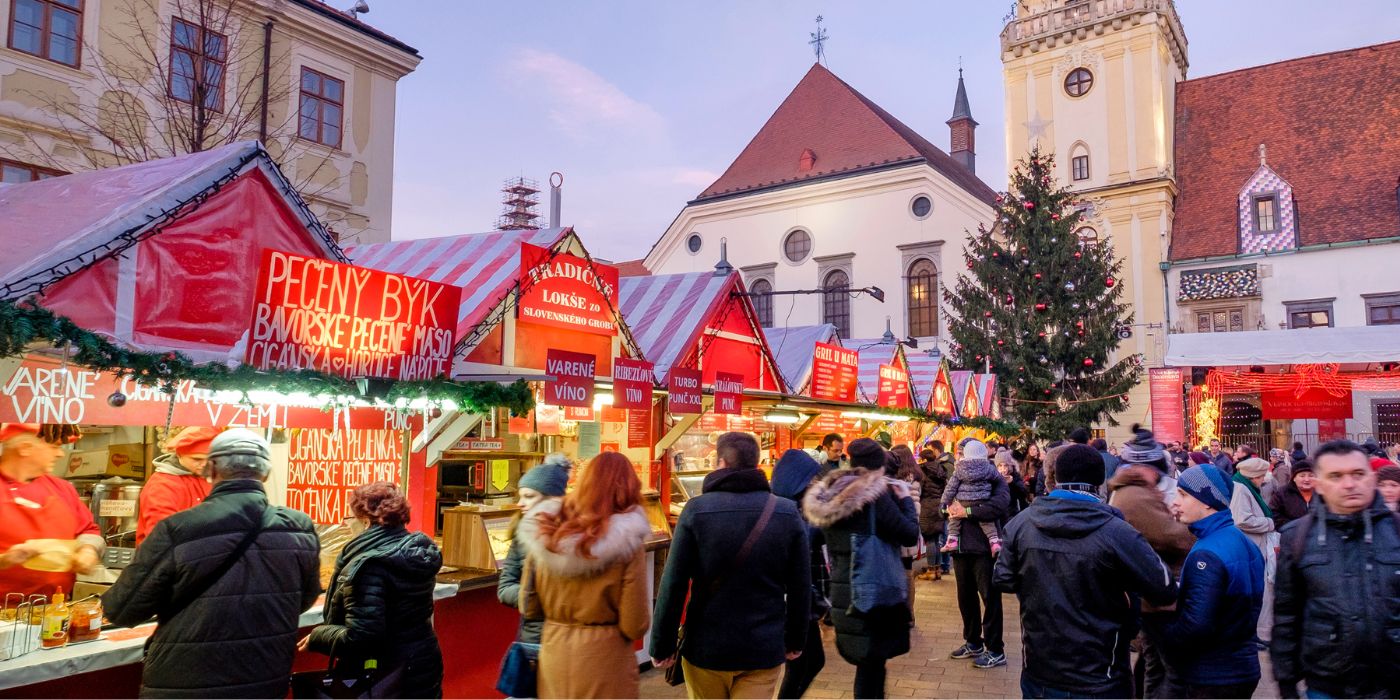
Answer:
(378, 540)
(735, 481)
(1253, 491)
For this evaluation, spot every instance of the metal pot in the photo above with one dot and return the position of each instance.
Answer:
(115, 505)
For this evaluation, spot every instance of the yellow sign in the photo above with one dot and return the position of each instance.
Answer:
(500, 474)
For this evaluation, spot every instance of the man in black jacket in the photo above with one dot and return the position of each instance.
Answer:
(978, 601)
(744, 618)
(227, 625)
(1337, 592)
(1073, 562)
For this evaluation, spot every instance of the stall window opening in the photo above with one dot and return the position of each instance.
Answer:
(322, 106)
(51, 29)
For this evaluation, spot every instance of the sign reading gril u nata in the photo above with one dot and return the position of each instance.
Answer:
(310, 313)
(566, 291)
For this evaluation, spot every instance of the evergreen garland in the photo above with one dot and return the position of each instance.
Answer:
(1004, 428)
(24, 324)
(1042, 308)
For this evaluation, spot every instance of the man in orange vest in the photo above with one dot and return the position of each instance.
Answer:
(179, 482)
(35, 505)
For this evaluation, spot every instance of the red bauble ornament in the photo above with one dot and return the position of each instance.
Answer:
(1109, 282)
(988, 314)
(1008, 299)
(1078, 255)
(1000, 199)
(1042, 308)
(1047, 392)
(1088, 362)
(1037, 275)
(969, 264)
(1042, 334)
(1001, 342)
(1054, 217)
(1030, 205)
(1079, 324)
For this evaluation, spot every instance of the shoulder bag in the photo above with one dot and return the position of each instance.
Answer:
(340, 682)
(877, 574)
(674, 674)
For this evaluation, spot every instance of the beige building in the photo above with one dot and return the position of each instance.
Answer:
(92, 83)
(1093, 82)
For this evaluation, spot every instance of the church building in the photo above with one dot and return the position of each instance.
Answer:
(837, 197)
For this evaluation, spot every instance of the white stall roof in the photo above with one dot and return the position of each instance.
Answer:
(1296, 346)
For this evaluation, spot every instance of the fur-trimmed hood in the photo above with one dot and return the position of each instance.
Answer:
(841, 494)
(627, 533)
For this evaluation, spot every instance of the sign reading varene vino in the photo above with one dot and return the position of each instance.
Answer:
(310, 313)
(566, 291)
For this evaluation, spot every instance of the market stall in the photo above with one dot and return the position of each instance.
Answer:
(199, 291)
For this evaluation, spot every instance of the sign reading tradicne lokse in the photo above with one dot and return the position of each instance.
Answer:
(835, 372)
(310, 313)
(566, 291)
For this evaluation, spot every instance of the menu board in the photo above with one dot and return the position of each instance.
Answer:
(894, 387)
(311, 313)
(1168, 409)
(835, 373)
(639, 427)
(324, 466)
(729, 393)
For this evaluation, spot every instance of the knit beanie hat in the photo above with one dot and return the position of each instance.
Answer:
(1199, 457)
(1079, 464)
(550, 478)
(974, 449)
(1143, 448)
(1207, 484)
(1252, 468)
(1388, 473)
(866, 453)
(1301, 466)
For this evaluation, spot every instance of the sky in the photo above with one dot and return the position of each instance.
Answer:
(642, 104)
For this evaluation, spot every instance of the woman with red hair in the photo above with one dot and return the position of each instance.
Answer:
(585, 576)
(379, 604)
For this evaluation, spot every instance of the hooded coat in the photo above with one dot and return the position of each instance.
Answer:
(595, 607)
(169, 490)
(380, 606)
(839, 505)
(1135, 494)
(238, 638)
(791, 478)
(936, 474)
(1073, 562)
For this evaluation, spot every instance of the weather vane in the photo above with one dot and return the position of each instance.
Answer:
(818, 41)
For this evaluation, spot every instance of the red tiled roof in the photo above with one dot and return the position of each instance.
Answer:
(846, 132)
(1328, 123)
(631, 268)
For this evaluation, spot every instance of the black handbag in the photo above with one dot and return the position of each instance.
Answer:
(340, 681)
(520, 671)
(675, 675)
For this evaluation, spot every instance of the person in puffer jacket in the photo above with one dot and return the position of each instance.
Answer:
(1073, 562)
(380, 602)
(1210, 642)
(971, 485)
(546, 482)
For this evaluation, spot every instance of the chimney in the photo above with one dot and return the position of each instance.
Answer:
(556, 184)
(963, 128)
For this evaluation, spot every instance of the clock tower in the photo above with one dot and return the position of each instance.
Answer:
(1093, 82)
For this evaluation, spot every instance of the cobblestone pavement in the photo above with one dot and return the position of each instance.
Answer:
(927, 672)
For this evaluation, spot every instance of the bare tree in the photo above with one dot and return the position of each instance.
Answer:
(181, 76)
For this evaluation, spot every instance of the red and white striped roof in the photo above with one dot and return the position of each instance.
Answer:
(485, 265)
(873, 353)
(987, 392)
(923, 370)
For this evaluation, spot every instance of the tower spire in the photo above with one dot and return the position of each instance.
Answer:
(962, 127)
(818, 42)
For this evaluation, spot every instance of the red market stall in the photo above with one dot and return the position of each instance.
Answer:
(207, 258)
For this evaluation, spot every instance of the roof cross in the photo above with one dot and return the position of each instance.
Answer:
(818, 41)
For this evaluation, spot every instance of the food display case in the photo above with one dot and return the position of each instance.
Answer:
(477, 537)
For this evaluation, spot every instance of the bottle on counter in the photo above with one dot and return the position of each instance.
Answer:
(53, 633)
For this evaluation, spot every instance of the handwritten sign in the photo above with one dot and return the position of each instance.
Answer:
(1168, 407)
(639, 427)
(893, 388)
(42, 391)
(684, 388)
(729, 393)
(632, 382)
(835, 373)
(324, 466)
(566, 291)
(573, 374)
(310, 313)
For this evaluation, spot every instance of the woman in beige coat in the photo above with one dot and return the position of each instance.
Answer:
(585, 576)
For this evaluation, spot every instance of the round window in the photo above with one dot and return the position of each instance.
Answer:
(694, 242)
(921, 206)
(797, 246)
(1078, 82)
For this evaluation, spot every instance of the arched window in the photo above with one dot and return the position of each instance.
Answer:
(1079, 162)
(922, 298)
(836, 302)
(761, 294)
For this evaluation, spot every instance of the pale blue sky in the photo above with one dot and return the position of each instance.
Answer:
(641, 103)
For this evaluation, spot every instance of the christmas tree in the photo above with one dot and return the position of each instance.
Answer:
(1041, 308)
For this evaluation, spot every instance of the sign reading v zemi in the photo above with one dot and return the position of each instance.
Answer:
(573, 374)
(311, 313)
(566, 291)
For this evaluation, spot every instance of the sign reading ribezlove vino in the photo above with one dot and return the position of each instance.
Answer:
(835, 371)
(566, 291)
(573, 378)
(310, 313)
(632, 382)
